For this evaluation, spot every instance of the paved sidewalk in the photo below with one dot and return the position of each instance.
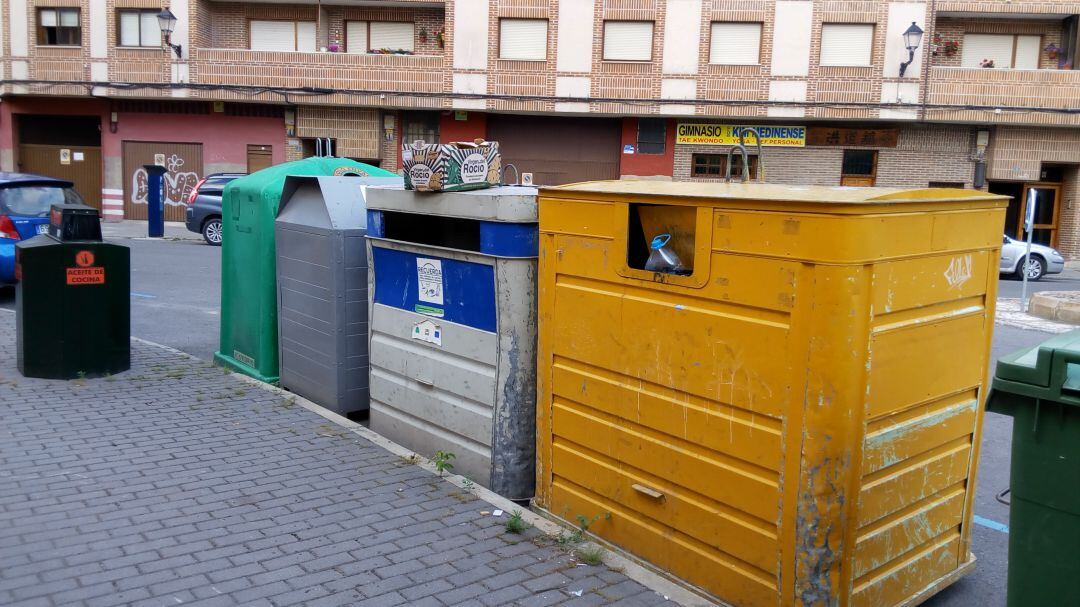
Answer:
(178, 484)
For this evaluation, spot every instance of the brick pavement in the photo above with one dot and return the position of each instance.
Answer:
(179, 484)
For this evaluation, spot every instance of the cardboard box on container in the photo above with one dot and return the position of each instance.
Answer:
(451, 167)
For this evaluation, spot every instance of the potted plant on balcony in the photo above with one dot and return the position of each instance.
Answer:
(987, 63)
(422, 35)
(1052, 50)
(944, 47)
(440, 38)
(334, 47)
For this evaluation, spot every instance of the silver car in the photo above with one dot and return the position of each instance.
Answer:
(1044, 260)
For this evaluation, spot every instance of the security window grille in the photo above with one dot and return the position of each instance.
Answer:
(713, 165)
(421, 126)
(735, 44)
(846, 44)
(651, 135)
(59, 27)
(523, 39)
(859, 162)
(283, 36)
(1003, 51)
(628, 40)
(139, 28)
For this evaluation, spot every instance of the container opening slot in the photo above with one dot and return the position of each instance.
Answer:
(432, 230)
(660, 238)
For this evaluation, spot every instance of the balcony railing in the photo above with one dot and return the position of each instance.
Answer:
(336, 71)
(1013, 91)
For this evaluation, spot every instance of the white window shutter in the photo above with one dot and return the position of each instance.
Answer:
(356, 37)
(846, 44)
(523, 39)
(305, 36)
(628, 40)
(149, 30)
(48, 17)
(391, 35)
(996, 47)
(69, 18)
(129, 28)
(1027, 52)
(735, 44)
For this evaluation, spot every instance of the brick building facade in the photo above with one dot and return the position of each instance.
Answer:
(587, 99)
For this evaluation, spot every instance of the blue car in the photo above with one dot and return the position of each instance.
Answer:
(25, 201)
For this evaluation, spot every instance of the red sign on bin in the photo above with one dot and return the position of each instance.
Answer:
(86, 276)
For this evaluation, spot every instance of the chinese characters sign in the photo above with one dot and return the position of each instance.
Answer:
(829, 136)
(727, 134)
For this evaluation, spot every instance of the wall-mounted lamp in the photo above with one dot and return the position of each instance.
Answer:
(912, 39)
(167, 21)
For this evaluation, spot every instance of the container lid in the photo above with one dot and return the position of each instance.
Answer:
(508, 203)
(775, 192)
(1033, 366)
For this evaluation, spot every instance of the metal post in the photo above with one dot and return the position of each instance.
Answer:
(155, 200)
(1029, 224)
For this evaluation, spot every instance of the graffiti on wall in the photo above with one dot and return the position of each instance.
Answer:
(178, 183)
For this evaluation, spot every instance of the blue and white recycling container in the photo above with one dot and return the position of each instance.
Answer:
(453, 328)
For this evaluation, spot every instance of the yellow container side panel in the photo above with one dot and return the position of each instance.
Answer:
(795, 422)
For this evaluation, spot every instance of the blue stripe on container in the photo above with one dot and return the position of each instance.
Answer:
(468, 288)
(509, 239)
(375, 225)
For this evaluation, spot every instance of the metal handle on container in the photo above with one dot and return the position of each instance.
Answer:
(649, 491)
(502, 171)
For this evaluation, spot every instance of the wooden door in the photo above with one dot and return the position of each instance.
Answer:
(259, 157)
(184, 165)
(1047, 215)
(81, 165)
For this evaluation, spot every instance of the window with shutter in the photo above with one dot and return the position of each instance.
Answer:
(993, 47)
(283, 36)
(356, 40)
(138, 28)
(735, 44)
(390, 35)
(1027, 52)
(523, 39)
(651, 135)
(149, 30)
(628, 40)
(846, 44)
(305, 36)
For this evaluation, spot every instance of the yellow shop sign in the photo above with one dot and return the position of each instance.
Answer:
(728, 134)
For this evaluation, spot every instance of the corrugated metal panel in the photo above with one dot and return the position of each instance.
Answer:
(185, 169)
(558, 150)
(85, 173)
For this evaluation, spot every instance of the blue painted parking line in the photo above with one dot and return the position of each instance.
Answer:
(989, 524)
(143, 295)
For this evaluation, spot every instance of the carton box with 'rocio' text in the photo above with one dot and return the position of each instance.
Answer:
(451, 167)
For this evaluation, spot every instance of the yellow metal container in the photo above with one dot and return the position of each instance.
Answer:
(795, 422)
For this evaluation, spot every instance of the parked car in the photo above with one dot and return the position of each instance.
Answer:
(1043, 261)
(204, 206)
(25, 201)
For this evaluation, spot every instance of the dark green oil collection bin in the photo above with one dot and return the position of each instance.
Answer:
(72, 301)
(249, 324)
(1040, 389)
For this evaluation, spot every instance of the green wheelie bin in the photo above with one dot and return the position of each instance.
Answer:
(1040, 389)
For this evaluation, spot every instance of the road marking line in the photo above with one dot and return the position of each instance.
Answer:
(143, 295)
(989, 524)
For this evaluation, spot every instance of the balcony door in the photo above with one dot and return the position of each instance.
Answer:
(1047, 201)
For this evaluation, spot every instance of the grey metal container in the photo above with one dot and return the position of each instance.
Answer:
(453, 328)
(322, 289)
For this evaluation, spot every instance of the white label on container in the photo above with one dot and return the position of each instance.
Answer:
(420, 174)
(427, 331)
(429, 280)
(474, 168)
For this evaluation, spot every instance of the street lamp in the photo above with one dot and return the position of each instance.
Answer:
(167, 21)
(912, 38)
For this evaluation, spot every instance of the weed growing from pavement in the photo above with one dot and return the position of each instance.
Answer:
(467, 484)
(569, 540)
(442, 461)
(515, 524)
(590, 555)
(411, 459)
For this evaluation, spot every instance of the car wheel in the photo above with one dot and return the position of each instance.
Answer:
(211, 232)
(1033, 266)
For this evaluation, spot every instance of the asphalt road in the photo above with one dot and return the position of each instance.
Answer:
(175, 299)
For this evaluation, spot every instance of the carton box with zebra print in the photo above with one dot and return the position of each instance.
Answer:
(451, 167)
